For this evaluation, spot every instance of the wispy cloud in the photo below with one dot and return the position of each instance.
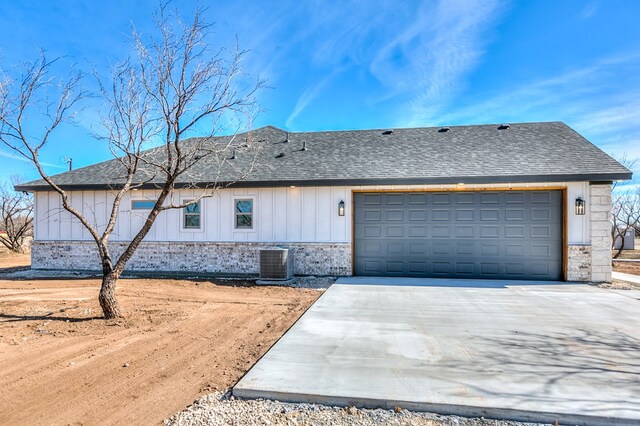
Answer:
(585, 98)
(583, 95)
(419, 53)
(441, 46)
(20, 158)
(308, 95)
(589, 10)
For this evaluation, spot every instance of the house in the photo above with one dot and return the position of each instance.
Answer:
(520, 201)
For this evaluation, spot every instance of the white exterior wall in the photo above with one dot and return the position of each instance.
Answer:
(301, 214)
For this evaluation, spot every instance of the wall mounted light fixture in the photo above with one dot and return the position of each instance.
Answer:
(341, 208)
(580, 206)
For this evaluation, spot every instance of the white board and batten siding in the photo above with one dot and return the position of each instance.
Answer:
(301, 214)
(284, 214)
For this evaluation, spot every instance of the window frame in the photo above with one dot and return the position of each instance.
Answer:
(252, 214)
(200, 226)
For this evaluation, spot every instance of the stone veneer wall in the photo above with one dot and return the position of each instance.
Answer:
(600, 218)
(579, 262)
(203, 257)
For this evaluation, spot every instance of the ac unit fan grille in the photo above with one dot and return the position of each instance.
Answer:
(276, 264)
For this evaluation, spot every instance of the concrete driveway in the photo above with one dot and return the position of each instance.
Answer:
(535, 351)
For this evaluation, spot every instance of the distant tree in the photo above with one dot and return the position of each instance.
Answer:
(625, 211)
(175, 83)
(16, 218)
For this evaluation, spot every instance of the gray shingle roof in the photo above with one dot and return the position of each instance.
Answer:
(525, 152)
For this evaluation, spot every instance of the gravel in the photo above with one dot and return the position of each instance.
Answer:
(317, 283)
(26, 273)
(617, 285)
(220, 408)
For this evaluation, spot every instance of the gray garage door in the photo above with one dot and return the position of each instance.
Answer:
(502, 234)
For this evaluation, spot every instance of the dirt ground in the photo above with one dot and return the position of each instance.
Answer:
(13, 260)
(628, 267)
(60, 364)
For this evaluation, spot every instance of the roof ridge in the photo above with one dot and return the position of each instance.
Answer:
(420, 127)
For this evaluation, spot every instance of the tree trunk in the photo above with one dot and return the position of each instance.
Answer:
(619, 250)
(107, 296)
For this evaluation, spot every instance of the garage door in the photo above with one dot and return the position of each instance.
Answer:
(502, 234)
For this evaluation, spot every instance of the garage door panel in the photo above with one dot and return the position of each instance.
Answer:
(540, 197)
(489, 198)
(442, 268)
(489, 231)
(465, 231)
(373, 231)
(489, 215)
(465, 249)
(443, 198)
(465, 215)
(395, 215)
(371, 215)
(514, 231)
(441, 248)
(465, 268)
(489, 249)
(441, 231)
(539, 269)
(395, 199)
(417, 231)
(417, 267)
(372, 199)
(394, 231)
(500, 234)
(514, 197)
(516, 250)
(441, 215)
(417, 215)
(419, 248)
(540, 214)
(514, 214)
(515, 269)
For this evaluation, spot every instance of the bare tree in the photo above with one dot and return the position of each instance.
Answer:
(16, 218)
(625, 214)
(625, 211)
(174, 85)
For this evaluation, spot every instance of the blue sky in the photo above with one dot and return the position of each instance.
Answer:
(368, 64)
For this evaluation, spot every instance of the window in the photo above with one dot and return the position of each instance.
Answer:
(142, 204)
(192, 215)
(244, 214)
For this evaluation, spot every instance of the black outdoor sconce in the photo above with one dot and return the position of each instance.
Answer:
(580, 206)
(341, 208)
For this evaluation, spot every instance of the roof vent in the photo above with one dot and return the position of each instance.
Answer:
(280, 155)
(233, 155)
(443, 129)
(304, 146)
(287, 139)
(504, 126)
(387, 132)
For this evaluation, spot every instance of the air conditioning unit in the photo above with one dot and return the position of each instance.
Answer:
(276, 264)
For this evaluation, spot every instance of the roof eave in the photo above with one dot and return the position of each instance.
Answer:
(598, 177)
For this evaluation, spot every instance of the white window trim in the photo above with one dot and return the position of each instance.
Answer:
(254, 223)
(182, 216)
